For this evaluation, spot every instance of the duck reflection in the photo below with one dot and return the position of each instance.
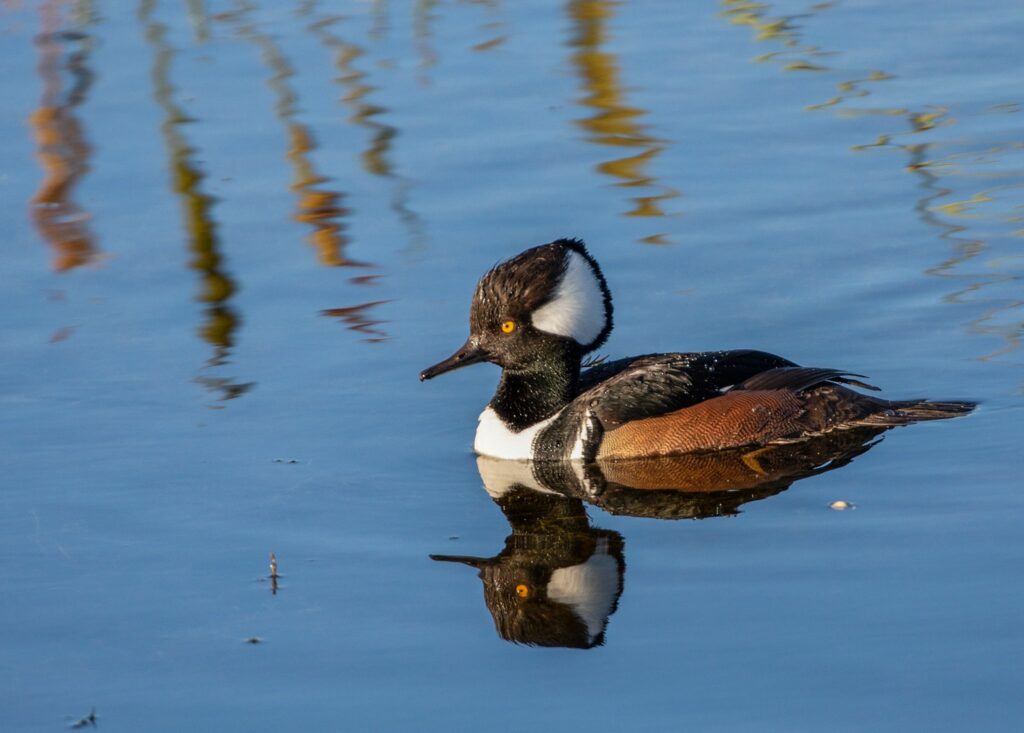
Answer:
(558, 579)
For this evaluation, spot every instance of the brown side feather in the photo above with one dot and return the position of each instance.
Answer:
(733, 420)
(745, 417)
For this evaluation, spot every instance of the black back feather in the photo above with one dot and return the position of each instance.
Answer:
(647, 386)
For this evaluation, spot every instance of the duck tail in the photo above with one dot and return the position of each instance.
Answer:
(911, 411)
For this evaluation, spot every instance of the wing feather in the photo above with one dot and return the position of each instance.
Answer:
(648, 386)
(800, 378)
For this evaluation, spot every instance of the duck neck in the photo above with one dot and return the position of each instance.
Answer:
(525, 397)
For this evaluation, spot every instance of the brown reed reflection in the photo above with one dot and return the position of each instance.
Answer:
(63, 150)
(494, 28)
(216, 285)
(317, 205)
(356, 319)
(945, 168)
(613, 123)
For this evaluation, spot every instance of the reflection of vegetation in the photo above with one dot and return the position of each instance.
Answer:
(217, 287)
(422, 16)
(944, 169)
(781, 29)
(317, 206)
(375, 159)
(613, 122)
(64, 151)
(355, 319)
(197, 17)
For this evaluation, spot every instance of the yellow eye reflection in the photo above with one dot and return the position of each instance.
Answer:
(523, 590)
(508, 326)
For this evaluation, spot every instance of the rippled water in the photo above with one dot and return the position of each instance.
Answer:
(234, 234)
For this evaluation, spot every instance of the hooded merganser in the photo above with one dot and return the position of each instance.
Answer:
(538, 314)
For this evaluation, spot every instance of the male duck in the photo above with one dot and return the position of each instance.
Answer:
(539, 313)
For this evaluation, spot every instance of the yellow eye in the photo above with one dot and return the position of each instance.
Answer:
(523, 590)
(508, 326)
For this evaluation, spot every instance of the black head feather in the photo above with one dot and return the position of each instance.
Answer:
(520, 286)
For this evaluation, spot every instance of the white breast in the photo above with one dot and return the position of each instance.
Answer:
(495, 439)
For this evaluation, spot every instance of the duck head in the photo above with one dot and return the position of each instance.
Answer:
(549, 301)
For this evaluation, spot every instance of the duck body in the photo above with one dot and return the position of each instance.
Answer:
(538, 314)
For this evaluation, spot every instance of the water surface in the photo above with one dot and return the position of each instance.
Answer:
(235, 232)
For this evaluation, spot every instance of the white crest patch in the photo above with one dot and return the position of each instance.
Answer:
(589, 588)
(577, 309)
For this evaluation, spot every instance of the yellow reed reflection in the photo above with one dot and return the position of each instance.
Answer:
(317, 205)
(972, 193)
(63, 147)
(216, 285)
(794, 56)
(613, 122)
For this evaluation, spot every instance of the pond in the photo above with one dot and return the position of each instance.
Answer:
(234, 233)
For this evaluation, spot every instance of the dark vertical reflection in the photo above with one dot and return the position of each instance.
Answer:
(357, 94)
(216, 285)
(317, 205)
(423, 16)
(381, 20)
(197, 17)
(63, 148)
(943, 168)
(357, 318)
(613, 123)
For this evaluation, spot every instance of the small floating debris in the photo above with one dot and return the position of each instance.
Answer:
(88, 720)
(62, 334)
(285, 460)
(273, 574)
(254, 640)
(839, 505)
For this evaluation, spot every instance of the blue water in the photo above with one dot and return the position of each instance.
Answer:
(234, 234)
